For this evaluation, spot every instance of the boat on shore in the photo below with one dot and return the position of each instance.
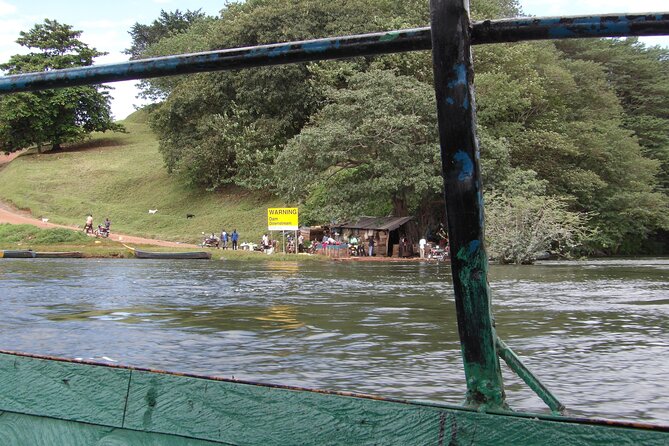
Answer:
(59, 255)
(17, 254)
(186, 255)
(29, 254)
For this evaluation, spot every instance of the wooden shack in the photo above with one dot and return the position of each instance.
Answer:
(386, 231)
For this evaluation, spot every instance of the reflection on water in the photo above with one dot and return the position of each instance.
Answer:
(596, 332)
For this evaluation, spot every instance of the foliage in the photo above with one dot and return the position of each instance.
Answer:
(53, 116)
(640, 77)
(374, 142)
(562, 119)
(520, 227)
(268, 105)
(169, 26)
(567, 114)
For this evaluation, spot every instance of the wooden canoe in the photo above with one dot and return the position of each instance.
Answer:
(17, 254)
(46, 400)
(59, 255)
(169, 255)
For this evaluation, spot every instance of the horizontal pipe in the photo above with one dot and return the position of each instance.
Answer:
(489, 31)
(549, 28)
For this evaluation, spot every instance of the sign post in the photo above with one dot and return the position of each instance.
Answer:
(282, 219)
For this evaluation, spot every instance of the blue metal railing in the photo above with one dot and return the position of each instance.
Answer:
(489, 31)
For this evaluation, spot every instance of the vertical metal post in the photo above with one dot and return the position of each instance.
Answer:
(453, 79)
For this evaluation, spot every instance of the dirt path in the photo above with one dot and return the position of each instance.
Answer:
(9, 214)
(4, 159)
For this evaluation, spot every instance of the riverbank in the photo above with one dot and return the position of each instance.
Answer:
(21, 232)
(46, 237)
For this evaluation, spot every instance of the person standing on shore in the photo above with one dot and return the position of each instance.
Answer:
(421, 245)
(88, 228)
(370, 242)
(224, 239)
(234, 237)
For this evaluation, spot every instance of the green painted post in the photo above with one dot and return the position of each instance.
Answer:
(453, 79)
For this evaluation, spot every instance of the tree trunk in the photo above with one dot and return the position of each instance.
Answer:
(55, 147)
(401, 209)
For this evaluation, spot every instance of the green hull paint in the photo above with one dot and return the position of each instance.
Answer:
(46, 401)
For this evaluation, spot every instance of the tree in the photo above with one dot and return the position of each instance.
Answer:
(640, 77)
(55, 116)
(521, 227)
(374, 143)
(561, 118)
(269, 105)
(522, 222)
(170, 25)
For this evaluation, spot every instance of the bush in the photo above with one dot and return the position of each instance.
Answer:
(34, 235)
(521, 227)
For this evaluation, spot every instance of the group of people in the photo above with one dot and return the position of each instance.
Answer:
(233, 238)
(292, 244)
(103, 229)
(356, 244)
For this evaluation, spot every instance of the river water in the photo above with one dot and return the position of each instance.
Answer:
(595, 332)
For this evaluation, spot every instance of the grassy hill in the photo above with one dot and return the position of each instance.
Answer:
(122, 176)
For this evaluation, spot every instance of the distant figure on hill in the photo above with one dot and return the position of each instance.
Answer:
(88, 227)
(235, 238)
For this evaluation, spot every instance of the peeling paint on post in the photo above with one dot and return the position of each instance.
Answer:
(453, 78)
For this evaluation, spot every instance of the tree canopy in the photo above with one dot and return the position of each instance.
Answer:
(54, 116)
(345, 138)
(375, 141)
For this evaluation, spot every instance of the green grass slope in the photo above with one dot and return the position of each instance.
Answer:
(122, 176)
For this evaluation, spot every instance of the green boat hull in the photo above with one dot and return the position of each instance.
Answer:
(46, 401)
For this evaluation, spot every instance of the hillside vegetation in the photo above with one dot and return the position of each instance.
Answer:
(122, 176)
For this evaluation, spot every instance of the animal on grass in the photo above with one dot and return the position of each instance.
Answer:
(190, 215)
(45, 220)
(153, 211)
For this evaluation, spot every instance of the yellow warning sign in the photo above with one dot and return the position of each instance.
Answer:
(282, 219)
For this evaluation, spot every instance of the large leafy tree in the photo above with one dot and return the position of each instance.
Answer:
(272, 104)
(266, 106)
(55, 116)
(640, 78)
(374, 142)
(561, 118)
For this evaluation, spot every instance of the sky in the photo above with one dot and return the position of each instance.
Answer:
(105, 25)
